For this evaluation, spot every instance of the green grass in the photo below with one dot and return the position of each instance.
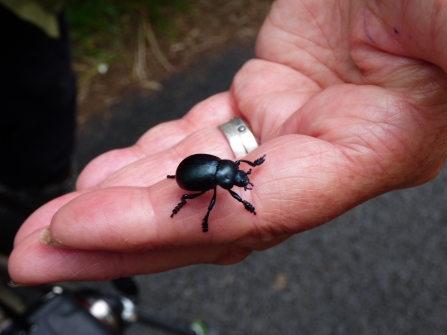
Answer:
(99, 28)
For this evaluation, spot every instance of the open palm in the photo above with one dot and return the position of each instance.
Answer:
(348, 100)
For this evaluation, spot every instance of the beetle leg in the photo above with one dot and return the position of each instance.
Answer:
(257, 162)
(248, 206)
(183, 198)
(210, 207)
(171, 176)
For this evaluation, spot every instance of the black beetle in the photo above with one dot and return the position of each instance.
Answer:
(203, 172)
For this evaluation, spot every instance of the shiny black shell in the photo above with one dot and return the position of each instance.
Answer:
(202, 172)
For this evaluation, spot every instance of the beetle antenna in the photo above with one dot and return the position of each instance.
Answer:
(248, 188)
(248, 172)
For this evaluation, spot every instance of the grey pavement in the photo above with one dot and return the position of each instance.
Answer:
(379, 269)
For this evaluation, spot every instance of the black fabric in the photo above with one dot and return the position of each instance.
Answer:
(37, 104)
(37, 118)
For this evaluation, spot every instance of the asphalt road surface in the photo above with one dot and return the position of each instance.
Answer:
(379, 269)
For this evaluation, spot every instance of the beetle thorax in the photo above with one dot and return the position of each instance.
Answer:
(226, 174)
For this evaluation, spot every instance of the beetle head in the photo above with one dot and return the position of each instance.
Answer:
(241, 179)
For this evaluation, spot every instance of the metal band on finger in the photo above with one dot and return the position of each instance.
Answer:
(239, 136)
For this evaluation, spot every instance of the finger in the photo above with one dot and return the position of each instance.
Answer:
(268, 94)
(143, 172)
(208, 113)
(395, 27)
(33, 263)
(42, 216)
(382, 132)
(304, 182)
(130, 219)
(310, 37)
(156, 167)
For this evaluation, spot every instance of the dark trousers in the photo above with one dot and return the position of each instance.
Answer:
(37, 104)
(37, 120)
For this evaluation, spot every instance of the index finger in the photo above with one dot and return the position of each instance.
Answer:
(286, 202)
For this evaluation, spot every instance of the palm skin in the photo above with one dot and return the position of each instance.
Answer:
(348, 100)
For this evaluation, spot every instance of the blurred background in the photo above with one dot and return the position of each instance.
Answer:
(123, 46)
(379, 269)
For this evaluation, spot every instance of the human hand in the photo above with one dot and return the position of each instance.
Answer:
(348, 100)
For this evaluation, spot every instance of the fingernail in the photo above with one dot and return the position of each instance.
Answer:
(12, 283)
(45, 238)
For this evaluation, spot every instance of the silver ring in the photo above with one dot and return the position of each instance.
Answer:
(241, 139)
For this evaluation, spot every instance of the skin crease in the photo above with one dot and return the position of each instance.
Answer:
(348, 100)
